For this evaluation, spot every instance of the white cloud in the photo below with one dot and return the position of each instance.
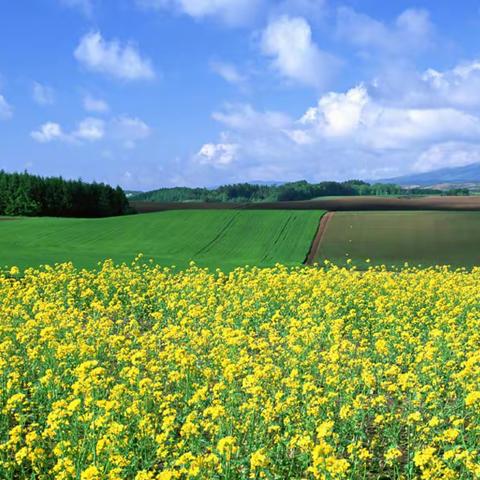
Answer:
(404, 87)
(232, 12)
(85, 6)
(6, 110)
(48, 132)
(258, 140)
(338, 113)
(90, 129)
(288, 40)
(459, 86)
(112, 58)
(124, 130)
(411, 32)
(43, 94)
(220, 154)
(97, 105)
(447, 154)
(129, 130)
(229, 73)
(345, 135)
(355, 115)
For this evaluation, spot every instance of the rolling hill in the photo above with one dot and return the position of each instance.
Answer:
(213, 238)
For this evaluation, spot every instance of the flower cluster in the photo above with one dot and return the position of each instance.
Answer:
(141, 372)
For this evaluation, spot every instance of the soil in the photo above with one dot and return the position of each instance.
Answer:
(322, 228)
(470, 203)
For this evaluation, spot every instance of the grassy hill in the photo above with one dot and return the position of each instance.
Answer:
(212, 238)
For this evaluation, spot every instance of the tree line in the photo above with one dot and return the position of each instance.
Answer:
(23, 194)
(301, 190)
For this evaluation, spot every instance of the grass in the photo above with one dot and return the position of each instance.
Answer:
(212, 238)
(393, 238)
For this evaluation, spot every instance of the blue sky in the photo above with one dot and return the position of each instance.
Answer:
(149, 93)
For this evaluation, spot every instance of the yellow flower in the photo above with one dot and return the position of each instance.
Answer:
(258, 459)
(472, 398)
(424, 456)
(90, 473)
(392, 455)
(325, 429)
(167, 475)
(415, 417)
(14, 271)
(450, 435)
(124, 364)
(227, 446)
(144, 475)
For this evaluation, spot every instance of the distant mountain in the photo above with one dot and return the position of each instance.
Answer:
(468, 174)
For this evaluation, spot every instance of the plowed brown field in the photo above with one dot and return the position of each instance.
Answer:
(471, 203)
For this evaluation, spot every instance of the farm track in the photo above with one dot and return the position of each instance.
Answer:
(315, 246)
(471, 203)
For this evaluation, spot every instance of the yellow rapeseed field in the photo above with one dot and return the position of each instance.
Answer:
(139, 372)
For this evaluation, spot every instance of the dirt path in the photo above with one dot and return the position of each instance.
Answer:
(322, 228)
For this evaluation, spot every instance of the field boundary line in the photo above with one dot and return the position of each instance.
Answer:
(317, 240)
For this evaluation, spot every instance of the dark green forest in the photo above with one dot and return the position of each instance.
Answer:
(22, 194)
(302, 190)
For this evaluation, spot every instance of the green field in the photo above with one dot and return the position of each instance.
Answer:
(213, 238)
(393, 238)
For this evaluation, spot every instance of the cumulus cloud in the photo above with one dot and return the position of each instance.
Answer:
(43, 94)
(345, 135)
(125, 131)
(447, 154)
(403, 86)
(459, 86)
(6, 111)
(232, 12)
(48, 132)
(255, 141)
(356, 115)
(113, 58)
(90, 129)
(97, 105)
(411, 32)
(220, 154)
(288, 41)
(337, 113)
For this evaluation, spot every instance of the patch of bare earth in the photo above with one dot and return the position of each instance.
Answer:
(333, 204)
(314, 247)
